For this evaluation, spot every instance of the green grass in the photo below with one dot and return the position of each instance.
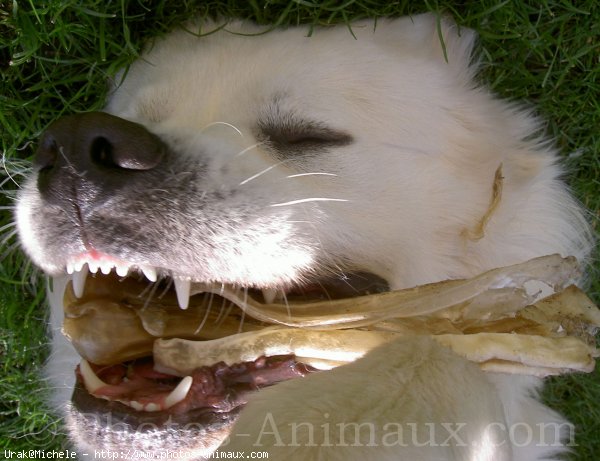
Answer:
(56, 56)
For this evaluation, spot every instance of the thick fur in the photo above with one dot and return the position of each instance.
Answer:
(399, 192)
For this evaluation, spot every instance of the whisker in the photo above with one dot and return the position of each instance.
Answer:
(287, 304)
(245, 304)
(7, 179)
(223, 123)
(203, 322)
(9, 249)
(260, 173)
(149, 287)
(248, 149)
(8, 226)
(61, 151)
(222, 309)
(150, 296)
(225, 314)
(310, 174)
(312, 199)
(8, 236)
(19, 168)
(9, 195)
(166, 289)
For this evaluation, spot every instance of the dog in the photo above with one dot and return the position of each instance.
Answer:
(302, 158)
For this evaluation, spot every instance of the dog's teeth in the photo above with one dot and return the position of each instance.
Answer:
(135, 405)
(90, 379)
(74, 267)
(179, 393)
(182, 288)
(79, 281)
(269, 294)
(150, 273)
(93, 266)
(151, 407)
(106, 267)
(122, 271)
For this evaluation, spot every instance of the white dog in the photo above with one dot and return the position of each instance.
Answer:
(278, 161)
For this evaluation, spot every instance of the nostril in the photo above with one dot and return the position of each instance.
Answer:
(126, 150)
(102, 152)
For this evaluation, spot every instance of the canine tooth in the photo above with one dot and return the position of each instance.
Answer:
(79, 281)
(90, 379)
(179, 393)
(150, 273)
(269, 294)
(182, 288)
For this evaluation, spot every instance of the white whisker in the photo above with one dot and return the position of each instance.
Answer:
(224, 314)
(14, 167)
(260, 173)
(287, 304)
(7, 236)
(310, 174)
(9, 249)
(245, 306)
(209, 305)
(249, 148)
(223, 123)
(8, 226)
(313, 199)
(150, 296)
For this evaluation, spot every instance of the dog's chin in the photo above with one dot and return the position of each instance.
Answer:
(94, 423)
(122, 400)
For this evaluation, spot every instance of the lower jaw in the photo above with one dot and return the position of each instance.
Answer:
(196, 430)
(96, 424)
(114, 415)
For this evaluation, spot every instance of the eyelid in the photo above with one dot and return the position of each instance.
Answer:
(296, 133)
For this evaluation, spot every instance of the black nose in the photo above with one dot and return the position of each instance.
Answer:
(84, 156)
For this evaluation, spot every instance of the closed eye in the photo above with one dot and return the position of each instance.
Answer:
(292, 137)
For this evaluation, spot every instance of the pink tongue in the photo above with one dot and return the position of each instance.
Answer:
(218, 387)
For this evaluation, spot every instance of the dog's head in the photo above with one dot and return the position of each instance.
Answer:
(291, 167)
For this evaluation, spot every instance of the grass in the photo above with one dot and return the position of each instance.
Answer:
(56, 56)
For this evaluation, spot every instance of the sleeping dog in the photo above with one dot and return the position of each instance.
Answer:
(291, 166)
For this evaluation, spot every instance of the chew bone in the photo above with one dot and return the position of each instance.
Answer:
(552, 336)
(526, 318)
(562, 341)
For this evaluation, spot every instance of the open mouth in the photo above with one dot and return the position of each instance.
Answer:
(132, 326)
(155, 347)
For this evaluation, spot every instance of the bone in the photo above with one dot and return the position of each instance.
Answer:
(533, 300)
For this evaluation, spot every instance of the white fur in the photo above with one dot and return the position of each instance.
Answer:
(427, 142)
(408, 399)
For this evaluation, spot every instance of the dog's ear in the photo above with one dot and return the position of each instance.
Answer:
(430, 34)
(452, 42)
